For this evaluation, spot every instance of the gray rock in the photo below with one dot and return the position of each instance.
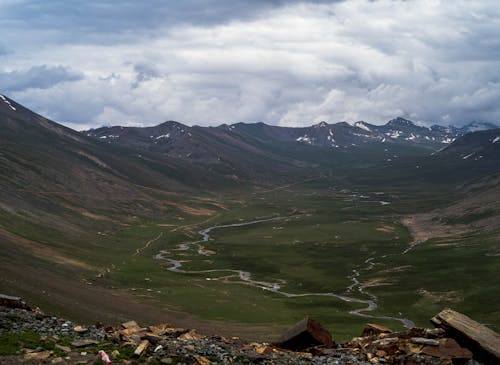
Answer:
(424, 341)
(84, 342)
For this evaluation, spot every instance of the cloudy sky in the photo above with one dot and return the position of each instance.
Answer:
(100, 62)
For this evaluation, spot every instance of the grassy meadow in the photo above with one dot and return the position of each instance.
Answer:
(326, 233)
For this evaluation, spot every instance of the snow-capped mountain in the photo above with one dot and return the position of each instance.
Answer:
(181, 140)
(483, 144)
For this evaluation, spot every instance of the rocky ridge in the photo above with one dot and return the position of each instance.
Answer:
(182, 141)
(37, 338)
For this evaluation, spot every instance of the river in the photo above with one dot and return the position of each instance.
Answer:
(275, 287)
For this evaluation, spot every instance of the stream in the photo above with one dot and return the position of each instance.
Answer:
(275, 287)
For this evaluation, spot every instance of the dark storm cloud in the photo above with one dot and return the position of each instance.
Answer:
(37, 77)
(104, 21)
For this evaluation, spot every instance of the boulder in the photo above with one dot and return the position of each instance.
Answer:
(371, 329)
(130, 324)
(84, 342)
(41, 355)
(143, 346)
(482, 341)
(305, 334)
(424, 341)
(13, 302)
(448, 349)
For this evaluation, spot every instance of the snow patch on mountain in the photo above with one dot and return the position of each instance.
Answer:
(394, 134)
(447, 140)
(110, 136)
(306, 139)
(7, 102)
(412, 137)
(332, 140)
(362, 126)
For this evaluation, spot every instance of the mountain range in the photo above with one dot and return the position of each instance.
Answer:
(182, 141)
(178, 157)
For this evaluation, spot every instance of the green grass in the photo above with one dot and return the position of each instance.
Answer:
(309, 252)
(11, 343)
(470, 217)
(327, 234)
(457, 272)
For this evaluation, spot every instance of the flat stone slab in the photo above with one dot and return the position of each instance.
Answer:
(484, 342)
(13, 302)
(371, 329)
(84, 342)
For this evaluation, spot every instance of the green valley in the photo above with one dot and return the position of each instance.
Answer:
(92, 230)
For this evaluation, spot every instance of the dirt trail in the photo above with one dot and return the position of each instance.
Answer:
(195, 224)
(140, 249)
(289, 185)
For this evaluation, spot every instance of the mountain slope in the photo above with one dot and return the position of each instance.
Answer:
(41, 158)
(218, 149)
(477, 145)
(60, 189)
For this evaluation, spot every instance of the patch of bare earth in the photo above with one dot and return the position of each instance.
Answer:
(386, 229)
(93, 159)
(86, 213)
(396, 269)
(480, 200)
(195, 211)
(425, 226)
(377, 282)
(438, 297)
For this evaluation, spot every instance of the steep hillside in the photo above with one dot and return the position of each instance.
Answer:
(475, 146)
(46, 165)
(64, 197)
(217, 149)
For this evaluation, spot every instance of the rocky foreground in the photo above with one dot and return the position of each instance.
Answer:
(32, 337)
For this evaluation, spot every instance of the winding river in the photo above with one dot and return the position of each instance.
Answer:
(275, 287)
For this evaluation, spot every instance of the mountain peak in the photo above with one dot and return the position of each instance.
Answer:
(172, 123)
(399, 121)
(321, 124)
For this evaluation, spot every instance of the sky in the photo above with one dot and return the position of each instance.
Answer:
(289, 63)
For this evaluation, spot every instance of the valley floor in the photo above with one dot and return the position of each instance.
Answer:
(351, 249)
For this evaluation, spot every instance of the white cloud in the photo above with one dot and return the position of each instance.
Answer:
(430, 60)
